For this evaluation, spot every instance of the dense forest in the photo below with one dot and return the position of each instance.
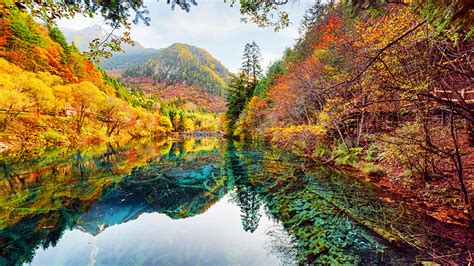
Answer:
(384, 89)
(51, 95)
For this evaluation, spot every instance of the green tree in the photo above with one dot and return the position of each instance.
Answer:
(251, 65)
(276, 70)
(24, 33)
(236, 97)
(57, 36)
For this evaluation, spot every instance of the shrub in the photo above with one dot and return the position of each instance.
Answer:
(347, 156)
(54, 138)
(372, 170)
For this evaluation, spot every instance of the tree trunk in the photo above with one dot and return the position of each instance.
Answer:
(470, 132)
(459, 167)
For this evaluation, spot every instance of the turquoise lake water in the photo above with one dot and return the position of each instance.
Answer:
(205, 202)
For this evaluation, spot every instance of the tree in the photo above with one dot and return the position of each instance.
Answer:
(86, 98)
(273, 73)
(249, 202)
(12, 102)
(165, 122)
(236, 96)
(113, 112)
(241, 87)
(39, 93)
(62, 96)
(176, 121)
(454, 14)
(251, 65)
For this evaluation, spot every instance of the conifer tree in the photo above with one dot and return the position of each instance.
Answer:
(251, 66)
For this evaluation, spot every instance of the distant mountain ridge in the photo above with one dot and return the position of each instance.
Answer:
(179, 63)
(186, 64)
(132, 55)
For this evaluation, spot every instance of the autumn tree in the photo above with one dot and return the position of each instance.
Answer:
(12, 102)
(86, 99)
(114, 113)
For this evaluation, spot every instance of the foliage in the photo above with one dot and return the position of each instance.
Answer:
(274, 72)
(251, 65)
(54, 138)
(385, 78)
(346, 156)
(236, 97)
(241, 88)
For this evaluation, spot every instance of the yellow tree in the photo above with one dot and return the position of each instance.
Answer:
(113, 112)
(12, 101)
(86, 98)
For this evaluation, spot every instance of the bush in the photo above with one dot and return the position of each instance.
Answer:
(165, 122)
(347, 156)
(54, 138)
(372, 170)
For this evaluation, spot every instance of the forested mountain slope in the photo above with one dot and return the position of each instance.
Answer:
(185, 64)
(51, 95)
(178, 63)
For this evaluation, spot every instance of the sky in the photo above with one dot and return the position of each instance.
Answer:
(212, 25)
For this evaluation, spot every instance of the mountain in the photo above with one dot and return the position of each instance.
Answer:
(131, 56)
(185, 64)
(179, 63)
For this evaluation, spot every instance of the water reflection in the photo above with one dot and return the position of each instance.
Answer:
(206, 201)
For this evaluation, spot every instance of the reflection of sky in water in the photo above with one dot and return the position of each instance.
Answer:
(215, 237)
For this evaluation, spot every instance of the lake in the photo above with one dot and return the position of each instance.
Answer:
(206, 201)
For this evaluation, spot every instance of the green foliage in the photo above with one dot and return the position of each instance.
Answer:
(134, 95)
(264, 13)
(236, 98)
(371, 153)
(165, 122)
(242, 87)
(271, 77)
(347, 156)
(251, 64)
(24, 31)
(371, 169)
(54, 138)
(57, 36)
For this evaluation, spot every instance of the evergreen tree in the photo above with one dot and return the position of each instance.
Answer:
(249, 203)
(251, 65)
(236, 96)
(241, 87)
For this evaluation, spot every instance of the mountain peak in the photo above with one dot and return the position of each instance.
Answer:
(186, 64)
(83, 37)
